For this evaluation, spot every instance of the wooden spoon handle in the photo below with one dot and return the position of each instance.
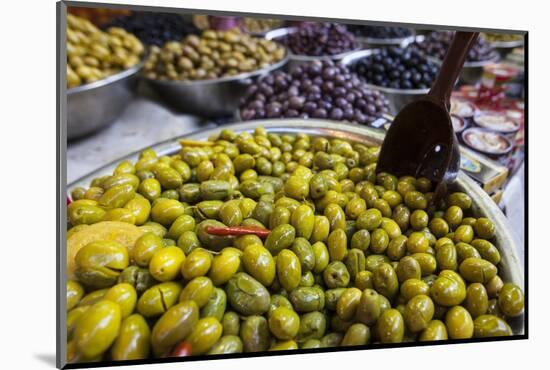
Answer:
(451, 66)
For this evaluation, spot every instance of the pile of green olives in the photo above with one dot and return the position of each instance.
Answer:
(353, 256)
(93, 54)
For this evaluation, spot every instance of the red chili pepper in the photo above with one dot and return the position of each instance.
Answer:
(237, 230)
(68, 200)
(182, 350)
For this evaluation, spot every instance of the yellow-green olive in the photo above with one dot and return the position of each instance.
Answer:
(198, 290)
(224, 266)
(145, 247)
(174, 326)
(284, 323)
(491, 326)
(133, 340)
(390, 326)
(459, 323)
(165, 211)
(98, 264)
(97, 328)
(75, 292)
(511, 300)
(289, 270)
(436, 330)
(166, 263)
(205, 334)
(477, 270)
(259, 263)
(159, 298)
(196, 264)
(448, 289)
(125, 295)
(477, 301)
(418, 313)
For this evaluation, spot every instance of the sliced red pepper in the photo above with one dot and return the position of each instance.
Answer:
(237, 230)
(182, 350)
(68, 200)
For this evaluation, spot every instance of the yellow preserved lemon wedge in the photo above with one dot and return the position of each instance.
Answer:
(121, 232)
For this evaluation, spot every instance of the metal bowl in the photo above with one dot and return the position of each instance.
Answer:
(295, 59)
(370, 42)
(93, 106)
(505, 47)
(482, 205)
(397, 98)
(209, 98)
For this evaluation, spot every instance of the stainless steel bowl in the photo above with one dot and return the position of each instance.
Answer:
(370, 42)
(295, 59)
(505, 47)
(209, 98)
(397, 98)
(510, 268)
(95, 105)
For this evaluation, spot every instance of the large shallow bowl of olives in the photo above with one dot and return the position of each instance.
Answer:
(102, 70)
(206, 75)
(295, 59)
(348, 261)
(397, 97)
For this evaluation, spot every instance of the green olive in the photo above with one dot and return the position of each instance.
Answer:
(336, 275)
(337, 245)
(246, 295)
(487, 250)
(477, 270)
(280, 238)
(224, 266)
(231, 323)
(321, 256)
(511, 300)
(205, 334)
(75, 292)
(477, 300)
(254, 333)
(412, 287)
(312, 326)
(180, 225)
(196, 264)
(125, 295)
(484, 228)
(419, 312)
(99, 263)
(144, 249)
(385, 280)
(368, 309)
(133, 340)
(408, 268)
(436, 330)
(174, 326)
(304, 251)
(259, 263)
(491, 326)
(198, 290)
(459, 323)
(227, 344)
(284, 323)
(289, 270)
(166, 211)
(448, 289)
(390, 326)
(166, 263)
(303, 220)
(356, 335)
(159, 298)
(370, 220)
(97, 328)
(347, 304)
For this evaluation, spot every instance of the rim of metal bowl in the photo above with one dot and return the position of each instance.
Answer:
(354, 57)
(506, 44)
(397, 41)
(108, 80)
(473, 129)
(278, 33)
(238, 77)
